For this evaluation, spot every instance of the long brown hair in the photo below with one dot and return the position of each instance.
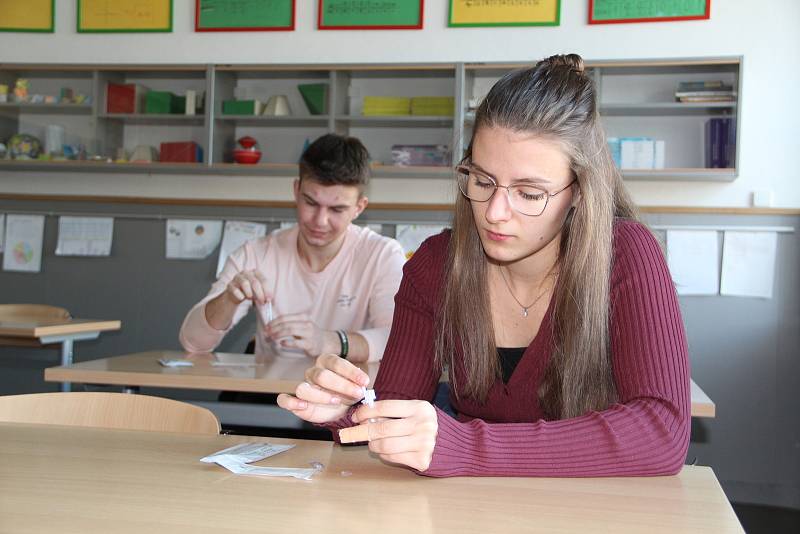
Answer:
(554, 100)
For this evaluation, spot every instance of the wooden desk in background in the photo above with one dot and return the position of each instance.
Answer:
(88, 480)
(269, 375)
(49, 331)
(273, 375)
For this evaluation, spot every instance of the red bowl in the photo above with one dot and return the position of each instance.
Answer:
(246, 156)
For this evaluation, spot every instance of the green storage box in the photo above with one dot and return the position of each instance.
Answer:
(240, 107)
(164, 102)
(315, 95)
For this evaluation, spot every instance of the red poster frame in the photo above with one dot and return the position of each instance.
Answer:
(289, 28)
(320, 26)
(704, 16)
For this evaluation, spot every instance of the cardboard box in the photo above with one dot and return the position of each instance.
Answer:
(241, 107)
(181, 152)
(125, 98)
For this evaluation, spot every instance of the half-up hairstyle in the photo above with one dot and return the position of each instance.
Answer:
(554, 101)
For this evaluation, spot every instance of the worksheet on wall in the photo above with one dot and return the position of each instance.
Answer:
(84, 236)
(24, 236)
(2, 230)
(192, 239)
(748, 264)
(237, 233)
(693, 258)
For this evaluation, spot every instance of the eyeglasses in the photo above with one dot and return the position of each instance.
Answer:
(524, 198)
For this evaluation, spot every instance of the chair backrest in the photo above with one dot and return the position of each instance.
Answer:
(12, 312)
(108, 410)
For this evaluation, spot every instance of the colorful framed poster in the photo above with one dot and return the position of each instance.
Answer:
(466, 13)
(27, 16)
(111, 16)
(621, 11)
(369, 15)
(244, 15)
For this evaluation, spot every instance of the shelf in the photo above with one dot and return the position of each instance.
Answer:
(689, 175)
(667, 108)
(268, 120)
(400, 121)
(46, 109)
(154, 118)
(258, 169)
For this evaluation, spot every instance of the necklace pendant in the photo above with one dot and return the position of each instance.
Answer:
(524, 312)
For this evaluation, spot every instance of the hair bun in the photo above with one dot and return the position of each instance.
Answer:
(571, 61)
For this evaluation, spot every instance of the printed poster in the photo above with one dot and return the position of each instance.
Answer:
(237, 233)
(23, 238)
(190, 239)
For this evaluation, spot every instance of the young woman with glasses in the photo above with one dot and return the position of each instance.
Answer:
(549, 306)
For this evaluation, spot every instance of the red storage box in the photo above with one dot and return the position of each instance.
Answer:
(181, 152)
(125, 98)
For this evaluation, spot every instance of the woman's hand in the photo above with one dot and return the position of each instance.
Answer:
(404, 431)
(331, 387)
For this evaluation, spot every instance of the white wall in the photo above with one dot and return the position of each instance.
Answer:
(764, 33)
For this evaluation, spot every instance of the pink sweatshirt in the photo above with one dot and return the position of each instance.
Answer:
(355, 291)
(645, 433)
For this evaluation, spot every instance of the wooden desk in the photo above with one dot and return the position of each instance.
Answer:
(272, 375)
(266, 375)
(49, 331)
(92, 480)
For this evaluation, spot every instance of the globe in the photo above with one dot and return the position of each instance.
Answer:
(24, 146)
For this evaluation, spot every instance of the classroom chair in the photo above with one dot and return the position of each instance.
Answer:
(108, 410)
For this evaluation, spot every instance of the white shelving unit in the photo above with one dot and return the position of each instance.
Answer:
(636, 99)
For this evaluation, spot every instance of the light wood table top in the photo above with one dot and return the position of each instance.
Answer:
(60, 479)
(266, 375)
(35, 329)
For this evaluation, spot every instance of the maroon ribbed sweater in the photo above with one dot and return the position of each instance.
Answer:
(645, 433)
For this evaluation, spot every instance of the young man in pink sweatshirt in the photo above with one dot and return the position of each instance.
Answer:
(323, 286)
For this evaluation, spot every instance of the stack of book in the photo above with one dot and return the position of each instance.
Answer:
(710, 91)
(442, 106)
(720, 143)
(386, 105)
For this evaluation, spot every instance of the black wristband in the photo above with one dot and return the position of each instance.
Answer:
(345, 344)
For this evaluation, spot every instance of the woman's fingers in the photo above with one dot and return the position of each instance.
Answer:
(333, 382)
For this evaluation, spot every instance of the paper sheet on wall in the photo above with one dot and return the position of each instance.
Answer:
(24, 236)
(693, 258)
(377, 228)
(84, 236)
(411, 236)
(2, 231)
(192, 239)
(236, 234)
(748, 264)
(287, 224)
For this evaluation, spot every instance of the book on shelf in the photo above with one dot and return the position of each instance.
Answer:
(713, 85)
(708, 91)
(720, 143)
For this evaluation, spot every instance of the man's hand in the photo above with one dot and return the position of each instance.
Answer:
(297, 331)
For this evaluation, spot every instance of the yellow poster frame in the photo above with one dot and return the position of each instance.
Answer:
(27, 16)
(464, 14)
(94, 16)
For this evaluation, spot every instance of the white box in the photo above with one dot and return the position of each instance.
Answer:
(637, 153)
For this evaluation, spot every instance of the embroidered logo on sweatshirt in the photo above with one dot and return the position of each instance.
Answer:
(345, 301)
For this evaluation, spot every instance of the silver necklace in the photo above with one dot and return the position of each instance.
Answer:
(521, 305)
